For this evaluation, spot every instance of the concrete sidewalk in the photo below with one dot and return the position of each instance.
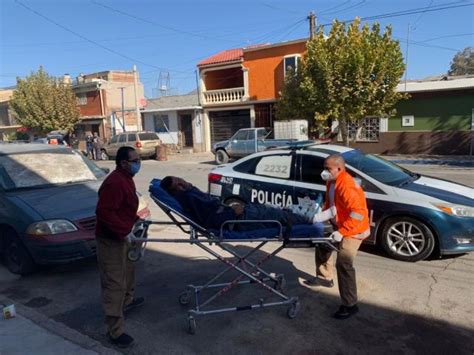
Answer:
(33, 333)
(465, 161)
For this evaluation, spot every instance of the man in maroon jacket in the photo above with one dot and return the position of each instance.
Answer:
(116, 214)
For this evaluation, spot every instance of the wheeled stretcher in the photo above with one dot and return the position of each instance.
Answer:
(247, 265)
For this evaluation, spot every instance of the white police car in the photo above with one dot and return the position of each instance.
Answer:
(411, 215)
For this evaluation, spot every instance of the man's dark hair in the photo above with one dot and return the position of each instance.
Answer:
(166, 183)
(123, 154)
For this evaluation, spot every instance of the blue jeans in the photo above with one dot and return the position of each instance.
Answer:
(259, 212)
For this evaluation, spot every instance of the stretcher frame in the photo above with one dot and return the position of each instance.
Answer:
(250, 272)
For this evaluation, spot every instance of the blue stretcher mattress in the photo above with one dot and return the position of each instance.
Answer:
(297, 231)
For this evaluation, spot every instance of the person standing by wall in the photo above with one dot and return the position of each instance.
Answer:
(347, 205)
(97, 146)
(116, 215)
(89, 146)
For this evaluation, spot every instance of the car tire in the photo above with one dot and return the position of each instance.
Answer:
(407, 239)
(16, 257)
(222, 157)
(104, 155)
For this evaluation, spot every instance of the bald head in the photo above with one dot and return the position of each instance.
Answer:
(335, 164)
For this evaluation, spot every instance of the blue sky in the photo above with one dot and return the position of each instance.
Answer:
(172, 36)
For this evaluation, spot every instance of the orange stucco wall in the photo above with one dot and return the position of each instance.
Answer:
(266, 74)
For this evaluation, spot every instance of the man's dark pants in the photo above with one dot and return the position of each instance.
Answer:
(117, 278)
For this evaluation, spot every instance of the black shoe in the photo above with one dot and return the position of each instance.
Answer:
(136, 302)
(317, 281)
(345, 312)
(123, 341)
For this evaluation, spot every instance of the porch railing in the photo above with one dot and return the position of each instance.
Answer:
(224, 95)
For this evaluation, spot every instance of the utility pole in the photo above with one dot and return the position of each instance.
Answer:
(123, 109)
(312, 24)
(406, 57)
(135, 88)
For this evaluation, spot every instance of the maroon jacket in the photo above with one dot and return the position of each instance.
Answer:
(117, 207)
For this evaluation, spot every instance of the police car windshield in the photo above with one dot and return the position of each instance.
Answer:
(378, 168)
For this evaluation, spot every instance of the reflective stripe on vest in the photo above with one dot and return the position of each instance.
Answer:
(357, 216)
(332, 189)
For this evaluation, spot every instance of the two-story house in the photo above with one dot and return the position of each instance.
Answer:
(238, 87)
(101, 97)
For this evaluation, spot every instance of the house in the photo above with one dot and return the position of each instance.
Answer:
(437, 118)
(177, 120)
(7, 121)
(238, 87)
(101, 97)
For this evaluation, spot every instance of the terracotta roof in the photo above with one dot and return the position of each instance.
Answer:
(229, 55)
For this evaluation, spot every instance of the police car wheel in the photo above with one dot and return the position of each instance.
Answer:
(407, 239)
(222, 157)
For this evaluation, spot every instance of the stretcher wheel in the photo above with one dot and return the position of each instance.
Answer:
(280, 283)
(134, 254)
(191, 325)
(293, 309)
(184, 298)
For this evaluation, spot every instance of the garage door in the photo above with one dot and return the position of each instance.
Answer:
(225, 123)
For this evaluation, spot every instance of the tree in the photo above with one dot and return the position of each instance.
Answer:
(463, 62)
(348, 75)
(44, 103)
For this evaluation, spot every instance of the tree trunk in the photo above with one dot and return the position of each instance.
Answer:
(344, 131)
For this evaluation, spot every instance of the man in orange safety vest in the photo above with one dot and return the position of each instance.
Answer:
(346, 207)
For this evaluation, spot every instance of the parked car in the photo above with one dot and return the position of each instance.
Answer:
(411, 215)
(145, 144)
(48, 196)
(244, 142)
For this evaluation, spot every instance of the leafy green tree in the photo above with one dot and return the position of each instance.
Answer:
(350, 74)
(463, 62)
(44, 103)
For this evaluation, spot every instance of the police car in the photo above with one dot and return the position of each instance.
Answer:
(411, 215)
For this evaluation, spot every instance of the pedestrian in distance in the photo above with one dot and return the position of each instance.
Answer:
(116, 215)
(97, 146)
(73, 141)
(346, 207)
(89, 146)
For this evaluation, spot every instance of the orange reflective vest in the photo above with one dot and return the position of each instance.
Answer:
(352, 218)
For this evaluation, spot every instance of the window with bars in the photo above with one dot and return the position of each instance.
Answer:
(366, 130)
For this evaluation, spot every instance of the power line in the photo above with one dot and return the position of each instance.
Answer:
(405, 12)
(446, 36)
(421, 15)
(351, 7)
(169, 28)
(133, 60)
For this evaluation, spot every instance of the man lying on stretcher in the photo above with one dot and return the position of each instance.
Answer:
(210, 213)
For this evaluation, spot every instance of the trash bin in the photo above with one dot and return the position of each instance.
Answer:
(161, 152)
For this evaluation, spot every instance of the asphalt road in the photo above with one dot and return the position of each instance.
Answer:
(426, 307)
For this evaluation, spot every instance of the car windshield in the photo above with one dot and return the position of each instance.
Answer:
(45, 168)
(378, 168)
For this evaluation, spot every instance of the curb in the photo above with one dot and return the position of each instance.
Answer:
(60, 329)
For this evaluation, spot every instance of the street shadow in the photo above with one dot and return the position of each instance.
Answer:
(160, 325)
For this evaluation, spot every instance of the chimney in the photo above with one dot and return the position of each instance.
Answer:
(67, 79)
(80, 78)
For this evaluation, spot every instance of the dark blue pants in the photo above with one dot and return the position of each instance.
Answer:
(259, 212)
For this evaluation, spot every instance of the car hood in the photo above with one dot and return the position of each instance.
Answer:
(442, 190)
(72, 202)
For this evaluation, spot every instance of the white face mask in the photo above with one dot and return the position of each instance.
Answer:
(326, 175)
